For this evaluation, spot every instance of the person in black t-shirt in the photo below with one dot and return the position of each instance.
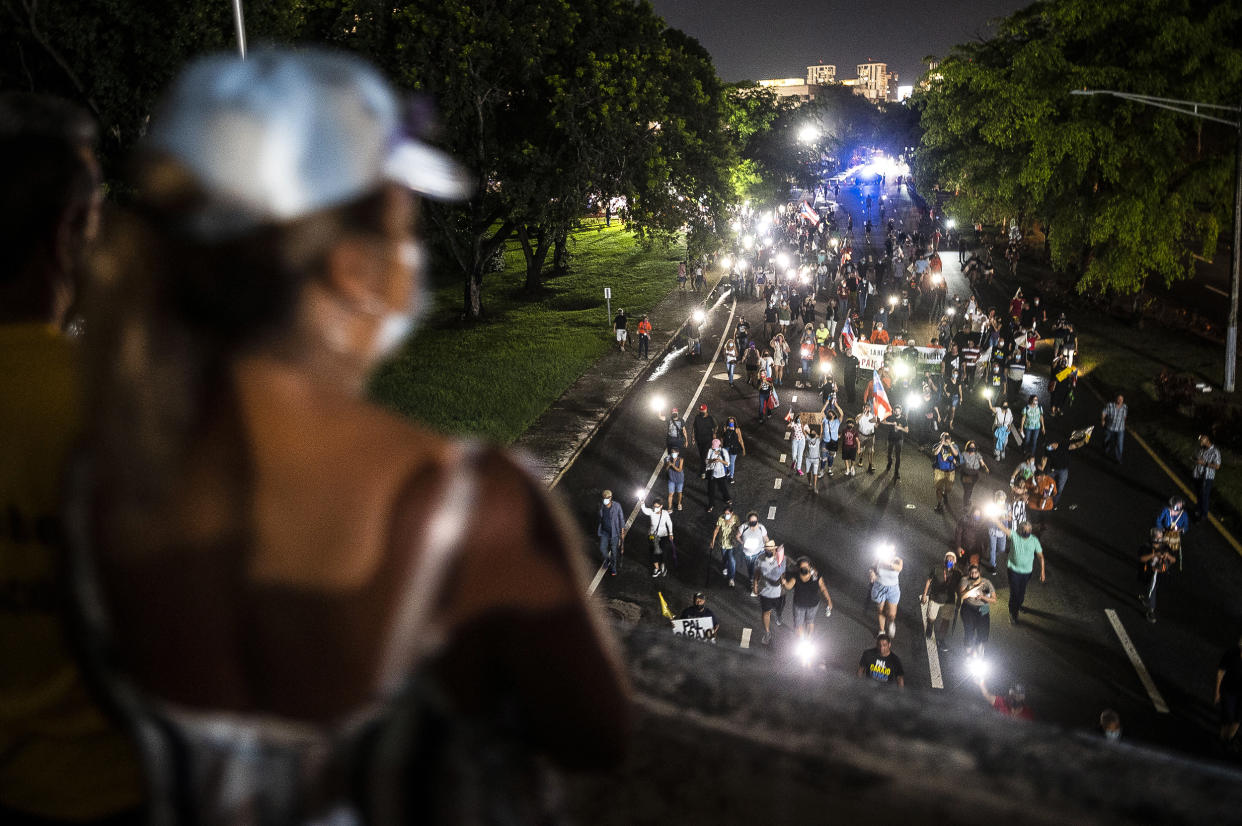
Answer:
(1229, 693)
(898, 426)
(807, 586)
(882, 665)
(700, 609)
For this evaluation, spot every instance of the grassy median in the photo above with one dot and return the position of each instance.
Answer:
(493, 378)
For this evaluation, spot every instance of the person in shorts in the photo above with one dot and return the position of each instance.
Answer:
(886, 592)
(813, 447)
(618, 324)
(769, 574)
(807, 586)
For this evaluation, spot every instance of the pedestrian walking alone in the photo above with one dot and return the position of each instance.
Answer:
(1113, 420)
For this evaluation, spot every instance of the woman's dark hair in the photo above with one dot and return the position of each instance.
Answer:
(169, 314)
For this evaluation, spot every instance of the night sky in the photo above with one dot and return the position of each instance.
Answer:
(753, 39)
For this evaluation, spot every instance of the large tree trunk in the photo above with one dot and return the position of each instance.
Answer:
(560, 253)
(472, 248)
(535, 246)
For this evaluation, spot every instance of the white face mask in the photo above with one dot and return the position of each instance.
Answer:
(397, 325)
(607, 502)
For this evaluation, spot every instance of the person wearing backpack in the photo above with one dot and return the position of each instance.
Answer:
(675, 434)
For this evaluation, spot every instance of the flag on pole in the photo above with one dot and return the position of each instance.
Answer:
(879, 398)
(847, 335)
(664, 609)
(809, 214)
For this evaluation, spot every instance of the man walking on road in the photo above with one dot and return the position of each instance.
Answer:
(767, 585)
(1207, 462)
(1023, 550)
(703, 429)
(977, 595)
(881, 664)
(661, 536)
(611, 532)
(717, 464)
(1113, 420)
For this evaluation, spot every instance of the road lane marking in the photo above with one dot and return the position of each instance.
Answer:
(1216, 290)
(933, 653)
(707, 369)
(793, 400)
(746, 638)
(783, 458)
(788, 434)
(777, 484)
(772, 512)
(1132, 653)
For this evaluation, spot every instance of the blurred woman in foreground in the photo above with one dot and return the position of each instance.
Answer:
(289, 581)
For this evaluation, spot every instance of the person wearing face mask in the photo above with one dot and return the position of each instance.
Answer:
(766, 584)
(731, 438)
(675, 432)
(717, 463)
(972, 465)
(1002, 423)
(611, 533)
(726, 529)
(977, 597)
(886, 589)
(940, 597)
(281, 568)
(660, 536)
(675, 467)
(807, 586)
(752, 536)
(1110, 725)
(1024, 549)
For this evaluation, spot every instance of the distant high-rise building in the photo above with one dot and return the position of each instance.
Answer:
(821, 74)
(874, 80)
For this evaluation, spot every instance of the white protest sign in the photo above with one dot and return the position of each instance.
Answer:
(696, 628)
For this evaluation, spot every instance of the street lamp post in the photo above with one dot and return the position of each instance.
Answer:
(1190, 107)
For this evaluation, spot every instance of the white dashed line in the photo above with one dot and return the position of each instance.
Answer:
(777, 485)
(933, 654)
(783, 458)
(746, 638)
(793, 400)
(772, 512)
(1132, 653)
(787, 435)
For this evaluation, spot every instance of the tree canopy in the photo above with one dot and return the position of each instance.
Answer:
(1124, 191)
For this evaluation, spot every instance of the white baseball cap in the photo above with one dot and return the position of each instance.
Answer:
(284, 134)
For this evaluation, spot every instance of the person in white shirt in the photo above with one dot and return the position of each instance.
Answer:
(661, 536)
(866, 437)
(716, 463)
(751, 536)
(767, 584)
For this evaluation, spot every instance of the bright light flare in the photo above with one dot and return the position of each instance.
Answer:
(937, 280)
(834, 243)
(825, 367)
(901, 369)
(913, 401)
(748, 241)
(737, 225)
(986, 393)
(805, 651)
(742, 265)
(782, 260)
(892, 301)
(726, 262)
(699, 316)
(950, 312)
(808, 134)
(950, 223)
(993, 510)
(641, 493)
(657, 404)
(977, 668)
(885, 552)
(791, 273)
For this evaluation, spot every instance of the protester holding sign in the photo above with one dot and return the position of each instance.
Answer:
(697, 611)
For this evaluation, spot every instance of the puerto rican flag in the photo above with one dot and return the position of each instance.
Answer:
(847, 335)
(809, 214)
(879, 398)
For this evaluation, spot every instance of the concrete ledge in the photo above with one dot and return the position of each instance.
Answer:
(729, 736)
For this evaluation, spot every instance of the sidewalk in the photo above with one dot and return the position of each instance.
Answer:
(550, 446)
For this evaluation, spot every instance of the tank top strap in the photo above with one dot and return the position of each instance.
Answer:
(414, 634)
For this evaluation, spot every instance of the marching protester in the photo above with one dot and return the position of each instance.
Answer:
(1113, 420)
(753, 537)
(675, 468)
(945, 458)
(977, 597)
(881, 665)
(808, 586)
(644, 341)
(1156, 560)
(1207, 462)
(619, 323)
(660, 535)
(717, 475)
(940, 597)
(698, 609)
(767, 585)
(898, 426)
(611, 532)
(734, 443)
(726, 527)
(886, 590)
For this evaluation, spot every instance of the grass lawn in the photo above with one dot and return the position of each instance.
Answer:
(1120, 356)
(494, 378)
